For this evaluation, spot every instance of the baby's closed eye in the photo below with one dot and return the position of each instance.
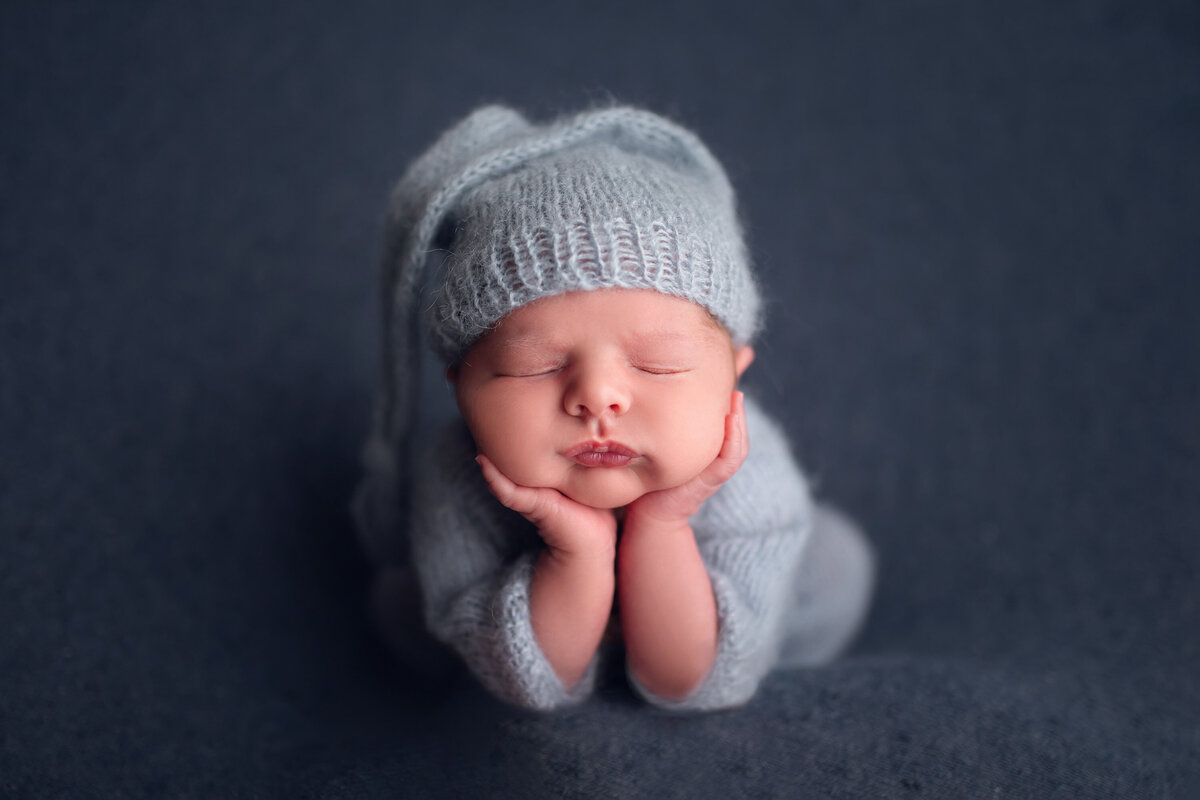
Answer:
(662, 358)
(530, 369)
(661, 367)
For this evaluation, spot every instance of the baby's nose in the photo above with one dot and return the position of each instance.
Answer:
(595, 393)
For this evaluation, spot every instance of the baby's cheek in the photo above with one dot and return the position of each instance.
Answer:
(514, 451)
(697, 445)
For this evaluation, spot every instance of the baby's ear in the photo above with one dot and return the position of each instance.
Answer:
(743, 357)
(452, 374)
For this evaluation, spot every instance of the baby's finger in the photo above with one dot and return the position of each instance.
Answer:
(507, 492)
(522, 499)
(497, 482)
(737, 439)
(743, 435)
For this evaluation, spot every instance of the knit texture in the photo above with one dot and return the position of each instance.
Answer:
(611, 198)
(595, 215)
(474, 558)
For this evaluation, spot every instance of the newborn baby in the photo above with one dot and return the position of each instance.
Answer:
(595, 315)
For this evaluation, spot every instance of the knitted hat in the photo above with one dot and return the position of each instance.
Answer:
(612, 198)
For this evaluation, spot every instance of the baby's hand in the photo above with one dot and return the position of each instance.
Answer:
(676, 505)
(566, 526)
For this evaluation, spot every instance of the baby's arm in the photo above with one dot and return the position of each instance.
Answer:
(571, 591)
(751, 536)
(668, 610)
(476, 563)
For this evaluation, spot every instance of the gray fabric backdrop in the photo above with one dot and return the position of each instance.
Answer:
(979, 228)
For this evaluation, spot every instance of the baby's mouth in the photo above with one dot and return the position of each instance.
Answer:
(601, 454)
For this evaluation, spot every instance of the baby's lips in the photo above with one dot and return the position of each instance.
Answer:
(601, 454)
(600, 447)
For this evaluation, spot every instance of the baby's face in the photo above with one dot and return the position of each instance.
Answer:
(603, 395)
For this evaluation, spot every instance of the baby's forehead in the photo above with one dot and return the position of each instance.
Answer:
(628, 314)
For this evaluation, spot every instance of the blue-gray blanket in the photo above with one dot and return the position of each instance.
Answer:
(979, 226)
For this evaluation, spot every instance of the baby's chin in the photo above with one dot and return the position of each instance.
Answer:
(612, 489)
(604, 489)
(602, 498)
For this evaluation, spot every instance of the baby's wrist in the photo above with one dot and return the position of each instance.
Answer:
(581, 550)
(639, 523)
(587, 558)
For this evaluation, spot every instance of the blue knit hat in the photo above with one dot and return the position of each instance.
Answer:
(610, 198)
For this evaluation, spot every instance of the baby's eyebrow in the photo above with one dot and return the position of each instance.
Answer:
(669, 337)
(527, 343)
(665, 335)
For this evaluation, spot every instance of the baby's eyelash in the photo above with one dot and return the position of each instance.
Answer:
(659, 370)
(532, 373)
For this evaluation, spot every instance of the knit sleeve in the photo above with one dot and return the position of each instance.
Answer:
(474, 561)
(751, 535)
